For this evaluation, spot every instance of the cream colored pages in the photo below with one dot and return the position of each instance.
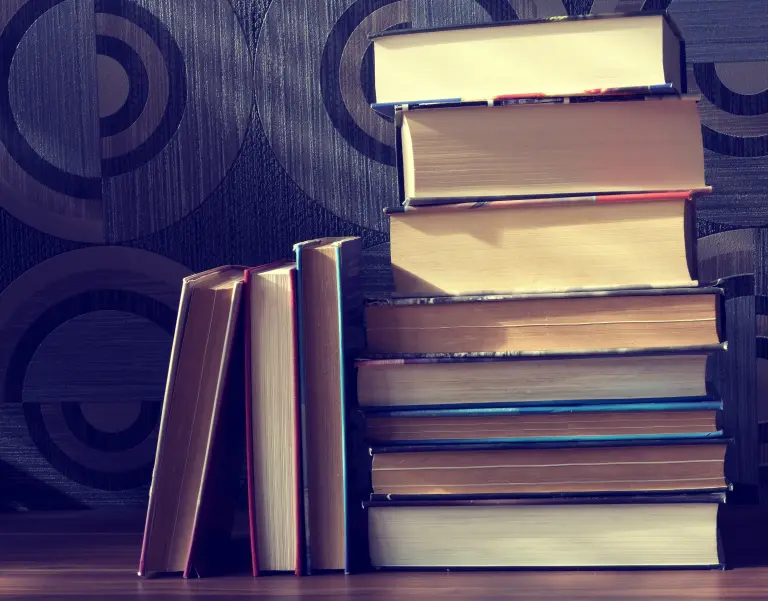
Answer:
(539, 249)
(544, 149)
(273, 394)
(556, 57)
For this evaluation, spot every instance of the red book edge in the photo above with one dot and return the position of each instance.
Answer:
(249, 459)
(181, 317)
(297, 431)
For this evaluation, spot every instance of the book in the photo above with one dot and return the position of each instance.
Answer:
(584, 322)
(545, 149)
(451, 381)
(388, 110)
(330, 336)
(195, 477)
(273, 419)
(594, 242)
(548, 56)
(578, 423)
(608, 532)
(568, 467)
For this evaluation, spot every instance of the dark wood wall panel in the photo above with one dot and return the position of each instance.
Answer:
(141, 140)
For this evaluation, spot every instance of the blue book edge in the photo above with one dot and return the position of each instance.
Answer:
(302, 417)
(562, 439)
(541, 406)
(343, 407)
(548, 409)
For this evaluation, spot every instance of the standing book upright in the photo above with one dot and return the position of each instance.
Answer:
(272, 418)
(330, 325)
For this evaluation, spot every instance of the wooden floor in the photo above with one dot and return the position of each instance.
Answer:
(93, 556)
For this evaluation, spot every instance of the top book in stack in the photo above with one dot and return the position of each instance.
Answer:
(548, 57)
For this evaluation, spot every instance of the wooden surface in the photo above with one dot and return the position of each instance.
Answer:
(94, 555)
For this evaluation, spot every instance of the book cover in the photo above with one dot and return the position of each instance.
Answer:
(350, 341)
(501, 446)
(428, 358)
(388, 109)
(445, 300)
(586, 17)
(547, 202)
(676, 496)
(582, 410)
(224, 460)
(181, 322)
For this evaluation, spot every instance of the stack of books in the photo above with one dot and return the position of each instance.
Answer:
(536, 393)
(257, 375)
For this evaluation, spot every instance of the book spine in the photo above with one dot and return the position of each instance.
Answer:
(298, 250)
(249, 459)
(399, 154)
(178, 336)
(351, 342)
(547, 202)
(297, 432)
(550, 409)
(689, 235)
(486, 298)
(696, 495)
(536, 440)
(504, 446)
(374, 361)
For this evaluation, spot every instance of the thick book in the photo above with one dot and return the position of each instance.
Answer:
(545, 149)
(273, 431)
(551, 56)
(583, 322)
(550, 467)
(195, 478)
(595, 532)
(330, 336)
(591, 242)
(574, 423)
(465, 381)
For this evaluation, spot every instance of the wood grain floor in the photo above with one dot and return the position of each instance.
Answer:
(93, 556)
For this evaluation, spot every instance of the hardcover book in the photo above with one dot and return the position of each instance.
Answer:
(454, 381)
(530, 245)
(556, 532)
(330, 336)
(574, 423)
(562, 467)
(273, 445)
(545, 149)
(608, 321)
(194, 483)
(524, 57)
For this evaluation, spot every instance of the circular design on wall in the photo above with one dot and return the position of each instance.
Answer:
(149, 143)
(734, 114)
(84, 343)
(323, 132)
(734, 124)
(147, 120)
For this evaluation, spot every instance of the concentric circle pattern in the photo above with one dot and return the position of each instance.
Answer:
(171, 98)
(84, 341)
